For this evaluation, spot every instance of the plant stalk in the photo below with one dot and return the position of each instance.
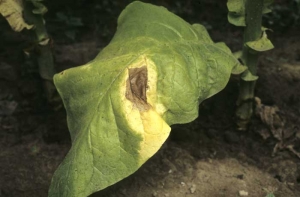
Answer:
(252, 32)
(43, 53)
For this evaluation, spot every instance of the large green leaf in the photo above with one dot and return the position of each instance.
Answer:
(154, 73)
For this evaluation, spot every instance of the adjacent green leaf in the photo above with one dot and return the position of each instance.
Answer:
(270, 195)
(263, 44)
(241, 67)
(248, 76)
(266, 6)
(12, 10)
(238, 54)
(39, 7)
(265, 29)
(236, 12)
(154, 73)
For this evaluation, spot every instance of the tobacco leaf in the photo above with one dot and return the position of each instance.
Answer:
(237, 11)
(12, 10)
(154, 73)
(262, 44)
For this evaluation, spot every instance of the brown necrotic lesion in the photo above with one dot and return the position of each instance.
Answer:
(136, 87)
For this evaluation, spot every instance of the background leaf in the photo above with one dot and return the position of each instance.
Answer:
(266, 6)
(12, 10)
(39, 7)
(236, 12)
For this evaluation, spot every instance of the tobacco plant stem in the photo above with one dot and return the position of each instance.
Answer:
(44, 54)
(252, 32)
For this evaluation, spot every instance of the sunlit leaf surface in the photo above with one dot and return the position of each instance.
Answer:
(154, 73)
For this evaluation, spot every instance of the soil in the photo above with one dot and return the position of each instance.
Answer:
(205, 158)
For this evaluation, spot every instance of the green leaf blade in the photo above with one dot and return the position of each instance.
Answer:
(154, 73)
(236, 12)
(248, 76)
(12, 10)
(262, 44)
